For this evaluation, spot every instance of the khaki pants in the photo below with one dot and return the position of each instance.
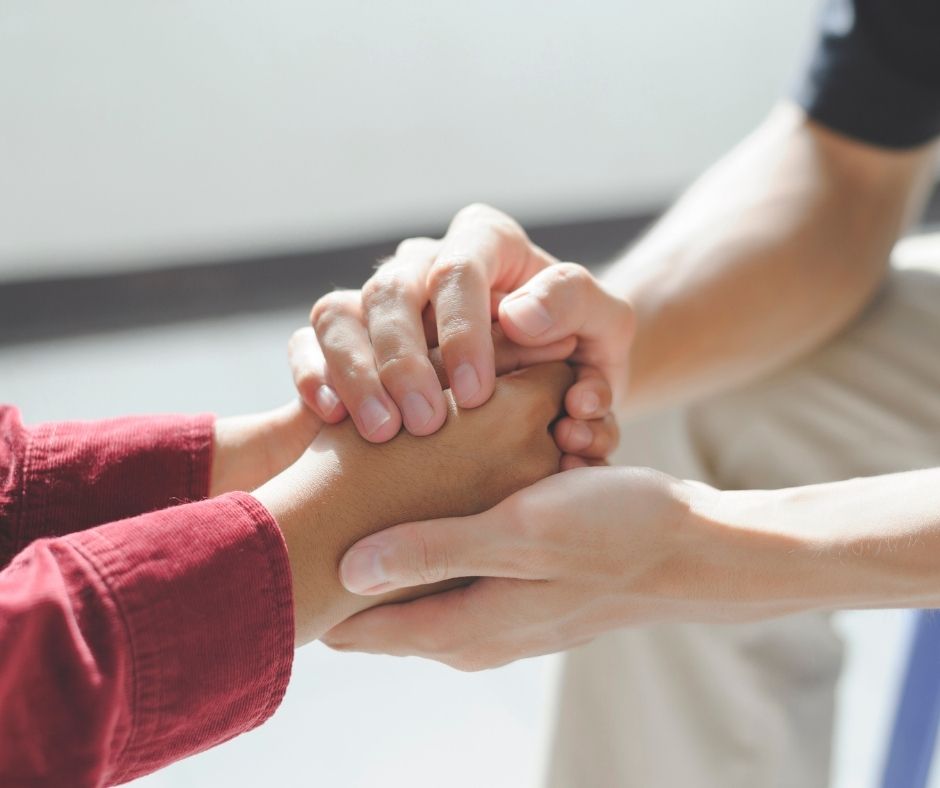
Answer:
(752, 705)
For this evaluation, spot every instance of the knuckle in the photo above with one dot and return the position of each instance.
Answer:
(497, 221)
(429, 562)
(306, 381)
(353, 373)
(386, 285)
(331, 306)
(572, 275)
(298, 338)
(401, 364)
(414, 247)
(477, 211)
(452, 270)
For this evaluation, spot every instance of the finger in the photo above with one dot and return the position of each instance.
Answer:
(482, 251)
(571, 461)
(422, 628)
(393, 301)
(414, 554)
(563, 300)
(344, 341)
(590, 397)
(590, 439)
(510, 356)
(484, 625)
(311, 377)
(429, 317)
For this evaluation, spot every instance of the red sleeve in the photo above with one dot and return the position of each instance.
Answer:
(133, 644)
(63, 477)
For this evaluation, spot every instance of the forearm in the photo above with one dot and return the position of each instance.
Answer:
(863, 543)
(772, 251)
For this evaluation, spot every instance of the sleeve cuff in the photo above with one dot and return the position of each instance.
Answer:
(858, 84)
(204, 594)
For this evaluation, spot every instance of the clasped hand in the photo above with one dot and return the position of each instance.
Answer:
(547, 558)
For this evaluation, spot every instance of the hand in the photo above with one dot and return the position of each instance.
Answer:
(583, 442)
(557, 563)
(345, 488)
(372, 356)
(250, 450)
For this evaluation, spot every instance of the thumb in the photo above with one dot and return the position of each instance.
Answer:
(564, 300)
(428, 552)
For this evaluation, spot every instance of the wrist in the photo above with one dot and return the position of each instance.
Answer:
(295, 502)
(250, 450)
(751, 564)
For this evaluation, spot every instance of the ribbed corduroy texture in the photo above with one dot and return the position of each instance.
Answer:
(128, 645)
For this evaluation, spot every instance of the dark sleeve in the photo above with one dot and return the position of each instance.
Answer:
(62, 477)
(127, 646)
(874, 74)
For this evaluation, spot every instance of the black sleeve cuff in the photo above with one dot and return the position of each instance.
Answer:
(857, 83)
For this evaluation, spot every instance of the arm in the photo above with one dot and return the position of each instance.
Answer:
(346, 488)
(772, 251)
(61, 477)
(648, 549)
(172, 631)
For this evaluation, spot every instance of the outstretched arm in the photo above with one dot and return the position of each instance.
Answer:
(134, 643)
(647, 549)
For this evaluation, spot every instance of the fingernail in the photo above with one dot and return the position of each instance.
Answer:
(579, 436)
(361, 570)
(416, 410)
(373, 414)
(528, 314)
(590, 403)
(327, 400)
(466, 383)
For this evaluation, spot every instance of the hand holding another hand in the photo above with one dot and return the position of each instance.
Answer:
(556, 564)
(367, 352)
(344, 488)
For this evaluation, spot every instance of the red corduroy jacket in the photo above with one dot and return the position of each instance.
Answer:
(139, 623)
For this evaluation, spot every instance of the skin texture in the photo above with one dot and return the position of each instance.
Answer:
(776, 248)
(772, 251)
(344, 487)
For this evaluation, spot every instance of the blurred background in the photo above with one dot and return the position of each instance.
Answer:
(180, 181)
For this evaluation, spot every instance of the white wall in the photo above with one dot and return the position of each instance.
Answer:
(139, 132)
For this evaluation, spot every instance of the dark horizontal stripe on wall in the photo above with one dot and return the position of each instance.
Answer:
(46, 309)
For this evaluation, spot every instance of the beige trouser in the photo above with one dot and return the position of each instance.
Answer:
(752, 705)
